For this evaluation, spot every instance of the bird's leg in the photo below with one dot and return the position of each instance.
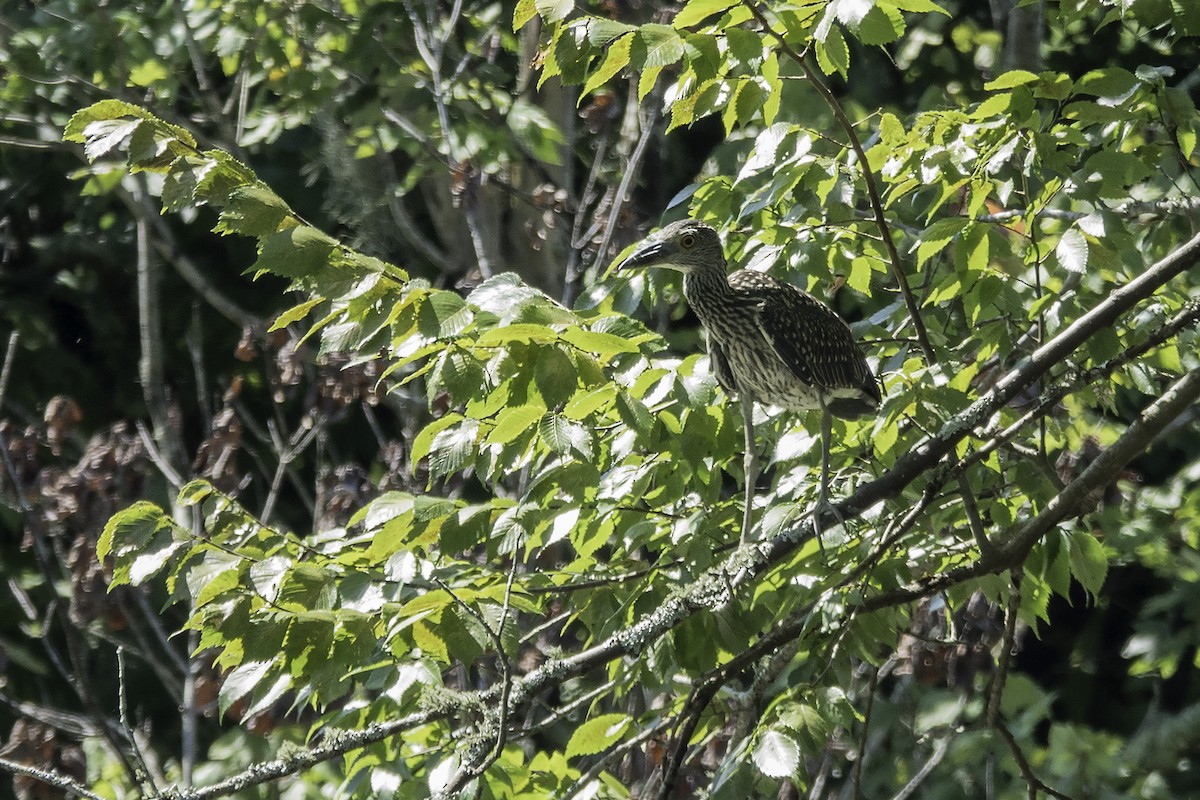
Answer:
(823, 505)
(749, 462)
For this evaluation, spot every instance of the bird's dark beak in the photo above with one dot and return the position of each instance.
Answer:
(647, 254)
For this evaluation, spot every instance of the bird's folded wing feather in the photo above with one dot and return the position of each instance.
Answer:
(720, 366)
(806, 335)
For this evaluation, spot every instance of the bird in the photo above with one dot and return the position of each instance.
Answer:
(768, 341)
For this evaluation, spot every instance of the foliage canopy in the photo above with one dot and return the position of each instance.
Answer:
(552, 605)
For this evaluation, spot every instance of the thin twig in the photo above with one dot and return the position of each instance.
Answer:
(145, 779)
(10, 355)
(1035, 784)
(939, 752)
(632, 168)
(872, 688)
(1008, 644)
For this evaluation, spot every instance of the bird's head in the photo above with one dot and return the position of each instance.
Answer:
(684, 245)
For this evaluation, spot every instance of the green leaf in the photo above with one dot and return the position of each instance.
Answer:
(1072, 250)
(1110, 82)
(524, 11)
(106, 135)
(598, 734)
(253, 210)
(295, 313)
(514, 421)
(880, 26)
(424, 441)
(148, 73)
(647, 80)
(664, 45)
(616, 58)
(1010, 79)
(833, 56)
(566, 437)
(770, 73)
(1089, 564)
(241, 681)
(935, 238)
(453, 448)
(603, 345)
(585, 404)
(777, 754)
(859, 278)
(295, 252)
(553, 10)
(194, 492)
(133, 526)
(918, 6)
(602, 31)
(697, 11)
(555, 376)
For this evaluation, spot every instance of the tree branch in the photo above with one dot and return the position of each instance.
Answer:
(48, 777)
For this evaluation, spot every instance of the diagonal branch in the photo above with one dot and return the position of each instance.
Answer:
(48, 777)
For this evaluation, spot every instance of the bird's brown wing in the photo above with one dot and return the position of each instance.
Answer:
(810, 338)
(720, 366)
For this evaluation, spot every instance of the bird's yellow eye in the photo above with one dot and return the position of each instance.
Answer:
(687, 241)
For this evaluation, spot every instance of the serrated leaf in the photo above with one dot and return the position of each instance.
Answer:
(597, 735)
(103, 136)
(850, 12)
(453, 448)
(919, 6)
(859, 278)
(1089, 564)
(295, 313)
(1010, 79)
(599, 344)
(133, 526)
(833, 56)
(1072, 250)
(565, 437)
(295, 252)
(616, 58)
(553, 10)
(524, 11)
(519, 332)
(241, 681)
(585, 404)
(699, 10)
(1109, 82)
(647, 80)
(424, 441)
(152, 558)
(664, 45)
(514, 421)
(935, 238)
(880, 26)
(253, 210)
(776, 754)
(602, 31)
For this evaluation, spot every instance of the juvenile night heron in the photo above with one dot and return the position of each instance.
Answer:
(767, 340)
